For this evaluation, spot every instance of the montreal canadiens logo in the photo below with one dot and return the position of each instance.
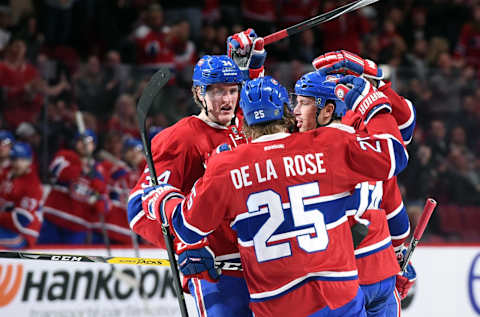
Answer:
(340, 92)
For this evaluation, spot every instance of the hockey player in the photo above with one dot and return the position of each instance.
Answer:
(77, 194)
(123, 175)
(317, 105)
(20, 195)
(180, 153)
(405, 116)
(284, 197)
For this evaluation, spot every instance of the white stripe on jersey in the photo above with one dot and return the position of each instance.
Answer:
(412, 116)
(137, 218)
(295, 233)
(288, 286)
(226, 257)
(373, 246)
(402, 236)
(395, 212)
(66, 216)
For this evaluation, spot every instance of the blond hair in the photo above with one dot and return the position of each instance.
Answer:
(285, 124)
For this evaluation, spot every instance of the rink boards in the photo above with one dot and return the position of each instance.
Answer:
(448, 284)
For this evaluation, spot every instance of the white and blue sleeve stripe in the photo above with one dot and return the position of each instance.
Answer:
(186, 232)
(407, 128)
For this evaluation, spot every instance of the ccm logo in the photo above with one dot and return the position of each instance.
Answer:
(66, 258)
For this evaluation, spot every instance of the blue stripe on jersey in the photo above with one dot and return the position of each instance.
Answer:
(401, 156)
(186, 232)
(332, 211)
(134, 206)
(399, 224)
(354, 201)
(23, 220)
(309, 279)
(407, 131)
(383, 247)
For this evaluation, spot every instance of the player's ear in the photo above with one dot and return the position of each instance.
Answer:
(326, 114)
(329, 109)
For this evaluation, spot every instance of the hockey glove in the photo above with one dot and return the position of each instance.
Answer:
(247, 51)
(344, 62)
(154, 200)
(361, 97)
(405, 280)
(197, 261)
(354, 120)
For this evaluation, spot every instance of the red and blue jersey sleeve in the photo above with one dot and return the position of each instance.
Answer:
(398, 222)
(375, 156)
(403, 111)
(65, 167)
(175, 163)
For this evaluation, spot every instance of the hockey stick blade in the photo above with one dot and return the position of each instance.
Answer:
(312, 22)
(430, 205)
(228, 266)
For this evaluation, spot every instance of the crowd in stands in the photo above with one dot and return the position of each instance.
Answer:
(58, 57)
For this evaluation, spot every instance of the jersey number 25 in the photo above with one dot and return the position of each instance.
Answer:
(301, 218)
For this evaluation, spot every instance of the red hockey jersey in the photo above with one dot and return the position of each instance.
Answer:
(180, 153)
(19, 204)
(121, 179)
(284, 196)
(73, 199)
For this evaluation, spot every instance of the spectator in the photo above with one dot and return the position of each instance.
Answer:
(94, 92)
(20, 195)
(346, 32)
(463, 183)
(22, 86)
(261, 14)
(184, 50)
(30, 33)
(152, 41)
(117, 74)
(123, 118)
(468, 46)
(191, 10)
(437, 141)
(445, 86)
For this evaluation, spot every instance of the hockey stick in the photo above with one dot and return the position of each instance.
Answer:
(158, 80)
(310, 23)
(229, 266)
(430, 205)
